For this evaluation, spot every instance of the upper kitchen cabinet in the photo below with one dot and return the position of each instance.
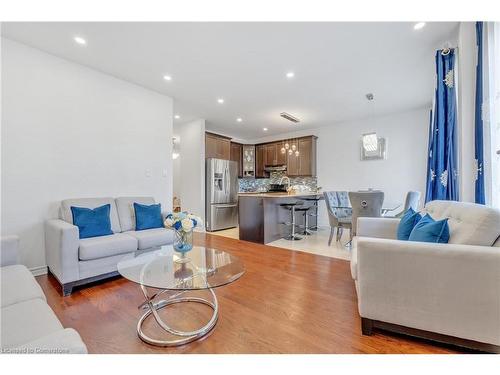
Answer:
(265, 154)
(260, 161)
(307, 156)
(282, 156)
(248, 154)
(269, 154)
(272, 154)
(236, 155)
(305, 163)
(217, 146)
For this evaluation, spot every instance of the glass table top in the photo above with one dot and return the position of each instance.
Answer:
(164, 268)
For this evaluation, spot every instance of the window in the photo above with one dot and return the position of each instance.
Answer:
(491, 113)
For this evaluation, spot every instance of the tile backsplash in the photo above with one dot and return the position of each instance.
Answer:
(259, 184)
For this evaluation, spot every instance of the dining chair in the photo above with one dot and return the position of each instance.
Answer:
(365, 204)
(339, 212)
(412, 200)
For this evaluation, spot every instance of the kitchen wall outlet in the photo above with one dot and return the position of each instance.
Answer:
(148, 172)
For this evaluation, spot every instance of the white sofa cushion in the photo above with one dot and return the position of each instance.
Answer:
(126, 213)
(27, 321)
(66, 341)
(470, 224)
(106, 246)
(152, 237)
(66, 215)
(18, 285)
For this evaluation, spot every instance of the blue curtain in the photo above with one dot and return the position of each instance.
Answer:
(430, 177)
(478, 121)
(442, 182)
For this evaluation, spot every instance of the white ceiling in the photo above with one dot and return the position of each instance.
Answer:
(335, 65)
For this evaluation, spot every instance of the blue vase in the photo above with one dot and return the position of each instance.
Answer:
(183, 241)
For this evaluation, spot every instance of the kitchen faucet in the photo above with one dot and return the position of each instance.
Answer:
(288, 179)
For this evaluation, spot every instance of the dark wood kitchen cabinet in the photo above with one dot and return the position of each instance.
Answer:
(269, 154)
(282, 156)
(305, 163)
(259, 161)
(237, 156)
(217, 146)
(307, 158)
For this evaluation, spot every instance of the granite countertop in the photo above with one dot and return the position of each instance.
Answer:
(279, 194)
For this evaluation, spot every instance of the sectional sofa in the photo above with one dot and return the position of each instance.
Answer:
(74, 261)
(28, 324)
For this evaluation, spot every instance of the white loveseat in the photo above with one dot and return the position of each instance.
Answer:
(74, 261)
(28, 325)
(445, 292)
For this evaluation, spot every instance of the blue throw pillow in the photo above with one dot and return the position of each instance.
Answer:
(429, 230)
(147, 217)
(407, 223)
(92, 222)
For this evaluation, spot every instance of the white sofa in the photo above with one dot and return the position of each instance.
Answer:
(74, 261)
(444, 292)
(28, 325)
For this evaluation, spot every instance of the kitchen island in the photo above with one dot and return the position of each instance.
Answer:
(261, 217)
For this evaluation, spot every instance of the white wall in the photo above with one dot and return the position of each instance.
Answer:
(466, 102)
(69, 131)
(176, 174)
(190, 171)
(340, 167)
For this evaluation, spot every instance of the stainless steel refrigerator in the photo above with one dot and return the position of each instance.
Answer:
(221, 194)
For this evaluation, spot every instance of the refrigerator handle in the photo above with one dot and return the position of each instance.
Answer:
(226, 179)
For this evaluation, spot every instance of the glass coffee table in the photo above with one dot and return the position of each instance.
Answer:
(167, 277)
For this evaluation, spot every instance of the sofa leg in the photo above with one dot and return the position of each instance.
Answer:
(366, 326)
(67, 289)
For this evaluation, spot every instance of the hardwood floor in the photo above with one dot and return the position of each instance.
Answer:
(286, 302)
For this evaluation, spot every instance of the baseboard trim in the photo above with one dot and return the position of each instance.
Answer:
(37, 271)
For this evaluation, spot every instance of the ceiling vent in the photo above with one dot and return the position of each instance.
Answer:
(289, 117)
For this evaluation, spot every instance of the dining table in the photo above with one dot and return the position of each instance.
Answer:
(384, 210)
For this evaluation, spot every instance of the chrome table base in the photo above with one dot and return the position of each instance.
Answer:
(182, 337)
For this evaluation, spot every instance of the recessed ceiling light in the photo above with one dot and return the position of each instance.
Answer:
(290, 75)
(265, 129)
(80, 40)
(177, 117)
(167, 77)
(419, 25)
(239, 119)
(220, 100)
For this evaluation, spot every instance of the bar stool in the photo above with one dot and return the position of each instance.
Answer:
(305, 211)
(314, 209)
(291, 207)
